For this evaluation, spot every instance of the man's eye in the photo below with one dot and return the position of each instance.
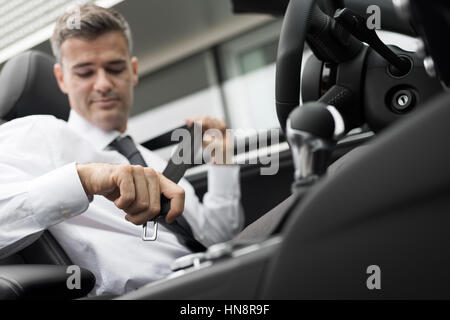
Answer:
(85, 74)
(116, 71)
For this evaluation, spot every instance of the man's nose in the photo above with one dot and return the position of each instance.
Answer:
(103, 83)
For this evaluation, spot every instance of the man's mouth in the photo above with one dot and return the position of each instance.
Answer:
(105, 102)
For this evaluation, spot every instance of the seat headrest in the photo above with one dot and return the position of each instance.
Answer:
(28, 87)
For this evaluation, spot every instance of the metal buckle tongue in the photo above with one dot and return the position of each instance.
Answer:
(145, 231)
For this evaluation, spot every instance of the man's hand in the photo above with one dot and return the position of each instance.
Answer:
(219, 141)
(134, 189)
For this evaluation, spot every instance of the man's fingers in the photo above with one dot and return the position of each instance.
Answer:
(112, 195)
(142, 200)
(176, 208)
(137, 219)
(157, 185)
(138, 190)
(175, 194)
(207, 122)
(154, 192)
(147, 203)
(125, 183)
(213, 123)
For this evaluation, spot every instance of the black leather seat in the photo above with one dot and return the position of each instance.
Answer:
(28, 87)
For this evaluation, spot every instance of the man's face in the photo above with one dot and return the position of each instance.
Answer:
(98, 75)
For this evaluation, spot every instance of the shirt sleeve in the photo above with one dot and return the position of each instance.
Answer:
(220, 217)
(30, 207)
(33, 195)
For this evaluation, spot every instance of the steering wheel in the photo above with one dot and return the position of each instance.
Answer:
(362, 85)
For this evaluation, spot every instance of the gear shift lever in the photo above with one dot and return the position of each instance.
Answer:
(312, 131)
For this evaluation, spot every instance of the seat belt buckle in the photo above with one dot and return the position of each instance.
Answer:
(154, 234)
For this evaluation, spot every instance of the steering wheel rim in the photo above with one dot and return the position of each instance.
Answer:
(296, 23)
(290, 51)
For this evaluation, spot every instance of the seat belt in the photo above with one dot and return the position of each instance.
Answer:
(174, 171)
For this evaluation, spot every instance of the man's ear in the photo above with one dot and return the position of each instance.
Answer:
(134, 67)
(58, 72)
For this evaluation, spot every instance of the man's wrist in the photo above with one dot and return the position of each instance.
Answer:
(225, 156)
(83, 174)
(57, 195)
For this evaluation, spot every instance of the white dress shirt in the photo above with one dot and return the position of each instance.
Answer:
(40, 189)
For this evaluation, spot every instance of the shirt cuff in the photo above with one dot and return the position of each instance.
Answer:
(224, 180)
(57, 196)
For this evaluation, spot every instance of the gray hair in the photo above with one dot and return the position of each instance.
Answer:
(93, 21)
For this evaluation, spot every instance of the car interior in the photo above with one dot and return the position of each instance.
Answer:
(364, 181)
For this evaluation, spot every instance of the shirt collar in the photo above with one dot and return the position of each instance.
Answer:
(98, 137)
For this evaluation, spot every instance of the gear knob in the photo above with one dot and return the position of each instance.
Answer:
(312, 131)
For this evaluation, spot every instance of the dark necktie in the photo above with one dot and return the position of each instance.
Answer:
(179, 227)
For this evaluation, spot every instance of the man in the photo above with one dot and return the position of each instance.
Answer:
(69, 178)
